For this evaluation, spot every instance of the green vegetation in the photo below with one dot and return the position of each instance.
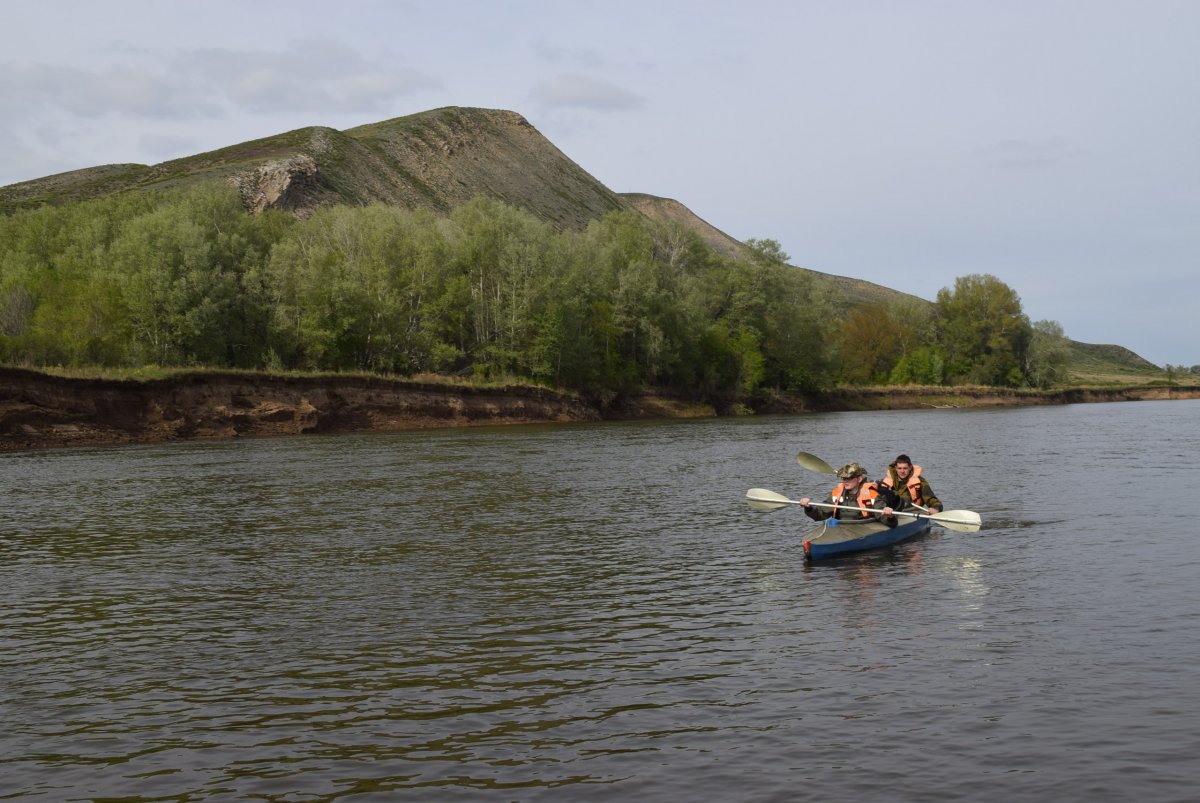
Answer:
(186, 278)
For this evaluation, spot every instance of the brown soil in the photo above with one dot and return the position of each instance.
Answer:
(41, 410)
(38, 410)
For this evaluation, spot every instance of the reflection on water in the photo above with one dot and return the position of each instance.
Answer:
(592, 612)
(968, 574)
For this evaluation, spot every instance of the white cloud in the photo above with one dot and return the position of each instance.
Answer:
(1029, 153)
(555, 54)
(116, 89)
(161, 147)
(588, 93)
(319, 75)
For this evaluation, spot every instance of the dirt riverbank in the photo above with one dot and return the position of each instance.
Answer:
(41, 410)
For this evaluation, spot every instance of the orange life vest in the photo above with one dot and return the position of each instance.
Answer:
(913, 484)
(866, 496)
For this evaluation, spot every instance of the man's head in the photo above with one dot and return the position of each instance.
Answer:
(851, 473)
(903, 466)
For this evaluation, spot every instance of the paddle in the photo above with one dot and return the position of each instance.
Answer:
(963, 521)
(814, 463)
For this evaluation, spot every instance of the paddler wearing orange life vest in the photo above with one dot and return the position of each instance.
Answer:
(853, 491)
(909, 486)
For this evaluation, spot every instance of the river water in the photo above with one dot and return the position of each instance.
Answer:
(592, 612)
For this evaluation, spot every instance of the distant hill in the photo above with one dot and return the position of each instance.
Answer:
(435, 160)
(664, 210)
(1103, 364)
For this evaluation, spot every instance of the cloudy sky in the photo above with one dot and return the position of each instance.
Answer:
(1054, 144)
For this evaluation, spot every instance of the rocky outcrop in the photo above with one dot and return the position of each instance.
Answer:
(39, 410)
(277, 184)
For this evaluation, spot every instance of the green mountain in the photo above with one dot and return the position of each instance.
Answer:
(1105, 364)
(437, 160)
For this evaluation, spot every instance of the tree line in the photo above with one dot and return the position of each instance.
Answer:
(188, 278)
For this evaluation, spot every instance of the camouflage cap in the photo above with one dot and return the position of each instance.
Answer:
(851, 470)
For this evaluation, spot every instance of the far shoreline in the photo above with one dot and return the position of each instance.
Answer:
(43, 410)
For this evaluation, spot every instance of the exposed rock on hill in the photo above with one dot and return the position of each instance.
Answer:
(278, 184)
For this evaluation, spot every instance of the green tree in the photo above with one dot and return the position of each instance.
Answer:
(866, 344)
(984, 333)
(59, 295)
(1049, 355)
(921, 366)
(502, 252)
(795, 331)
(349, 288)
(179, 267)
(767, 251)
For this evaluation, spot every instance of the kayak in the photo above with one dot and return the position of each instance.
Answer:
(834, 537)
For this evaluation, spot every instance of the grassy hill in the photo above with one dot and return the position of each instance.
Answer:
(1097, 364)
(437, 160)
(669, 210)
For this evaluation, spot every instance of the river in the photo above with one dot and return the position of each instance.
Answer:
(592, 612)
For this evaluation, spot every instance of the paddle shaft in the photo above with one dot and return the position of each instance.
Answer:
(938, 517)
(863, 509)
(963, 521)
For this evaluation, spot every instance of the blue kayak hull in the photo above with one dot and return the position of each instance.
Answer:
(828, 540)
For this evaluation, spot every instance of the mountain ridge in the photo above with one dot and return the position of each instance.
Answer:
(435, 160)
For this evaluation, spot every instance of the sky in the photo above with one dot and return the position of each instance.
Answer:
(1053, 144)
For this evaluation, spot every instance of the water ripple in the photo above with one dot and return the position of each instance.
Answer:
(591, 613)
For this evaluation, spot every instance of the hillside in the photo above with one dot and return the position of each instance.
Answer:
(667, 210)
(437, 160)
(434, 160)
(1101, 364)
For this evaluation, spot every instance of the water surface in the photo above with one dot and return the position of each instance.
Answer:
(591, 612)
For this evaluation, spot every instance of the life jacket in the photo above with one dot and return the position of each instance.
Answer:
(913, 484)
(866, 496)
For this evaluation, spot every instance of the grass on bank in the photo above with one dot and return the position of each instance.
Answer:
(1096, 377)
(155, 373)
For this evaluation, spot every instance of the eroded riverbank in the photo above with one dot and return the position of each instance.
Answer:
(42, 410)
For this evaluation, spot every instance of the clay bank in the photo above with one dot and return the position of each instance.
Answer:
(43, 410)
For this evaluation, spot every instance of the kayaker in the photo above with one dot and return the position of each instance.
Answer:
(854, 491)
(908, 484)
